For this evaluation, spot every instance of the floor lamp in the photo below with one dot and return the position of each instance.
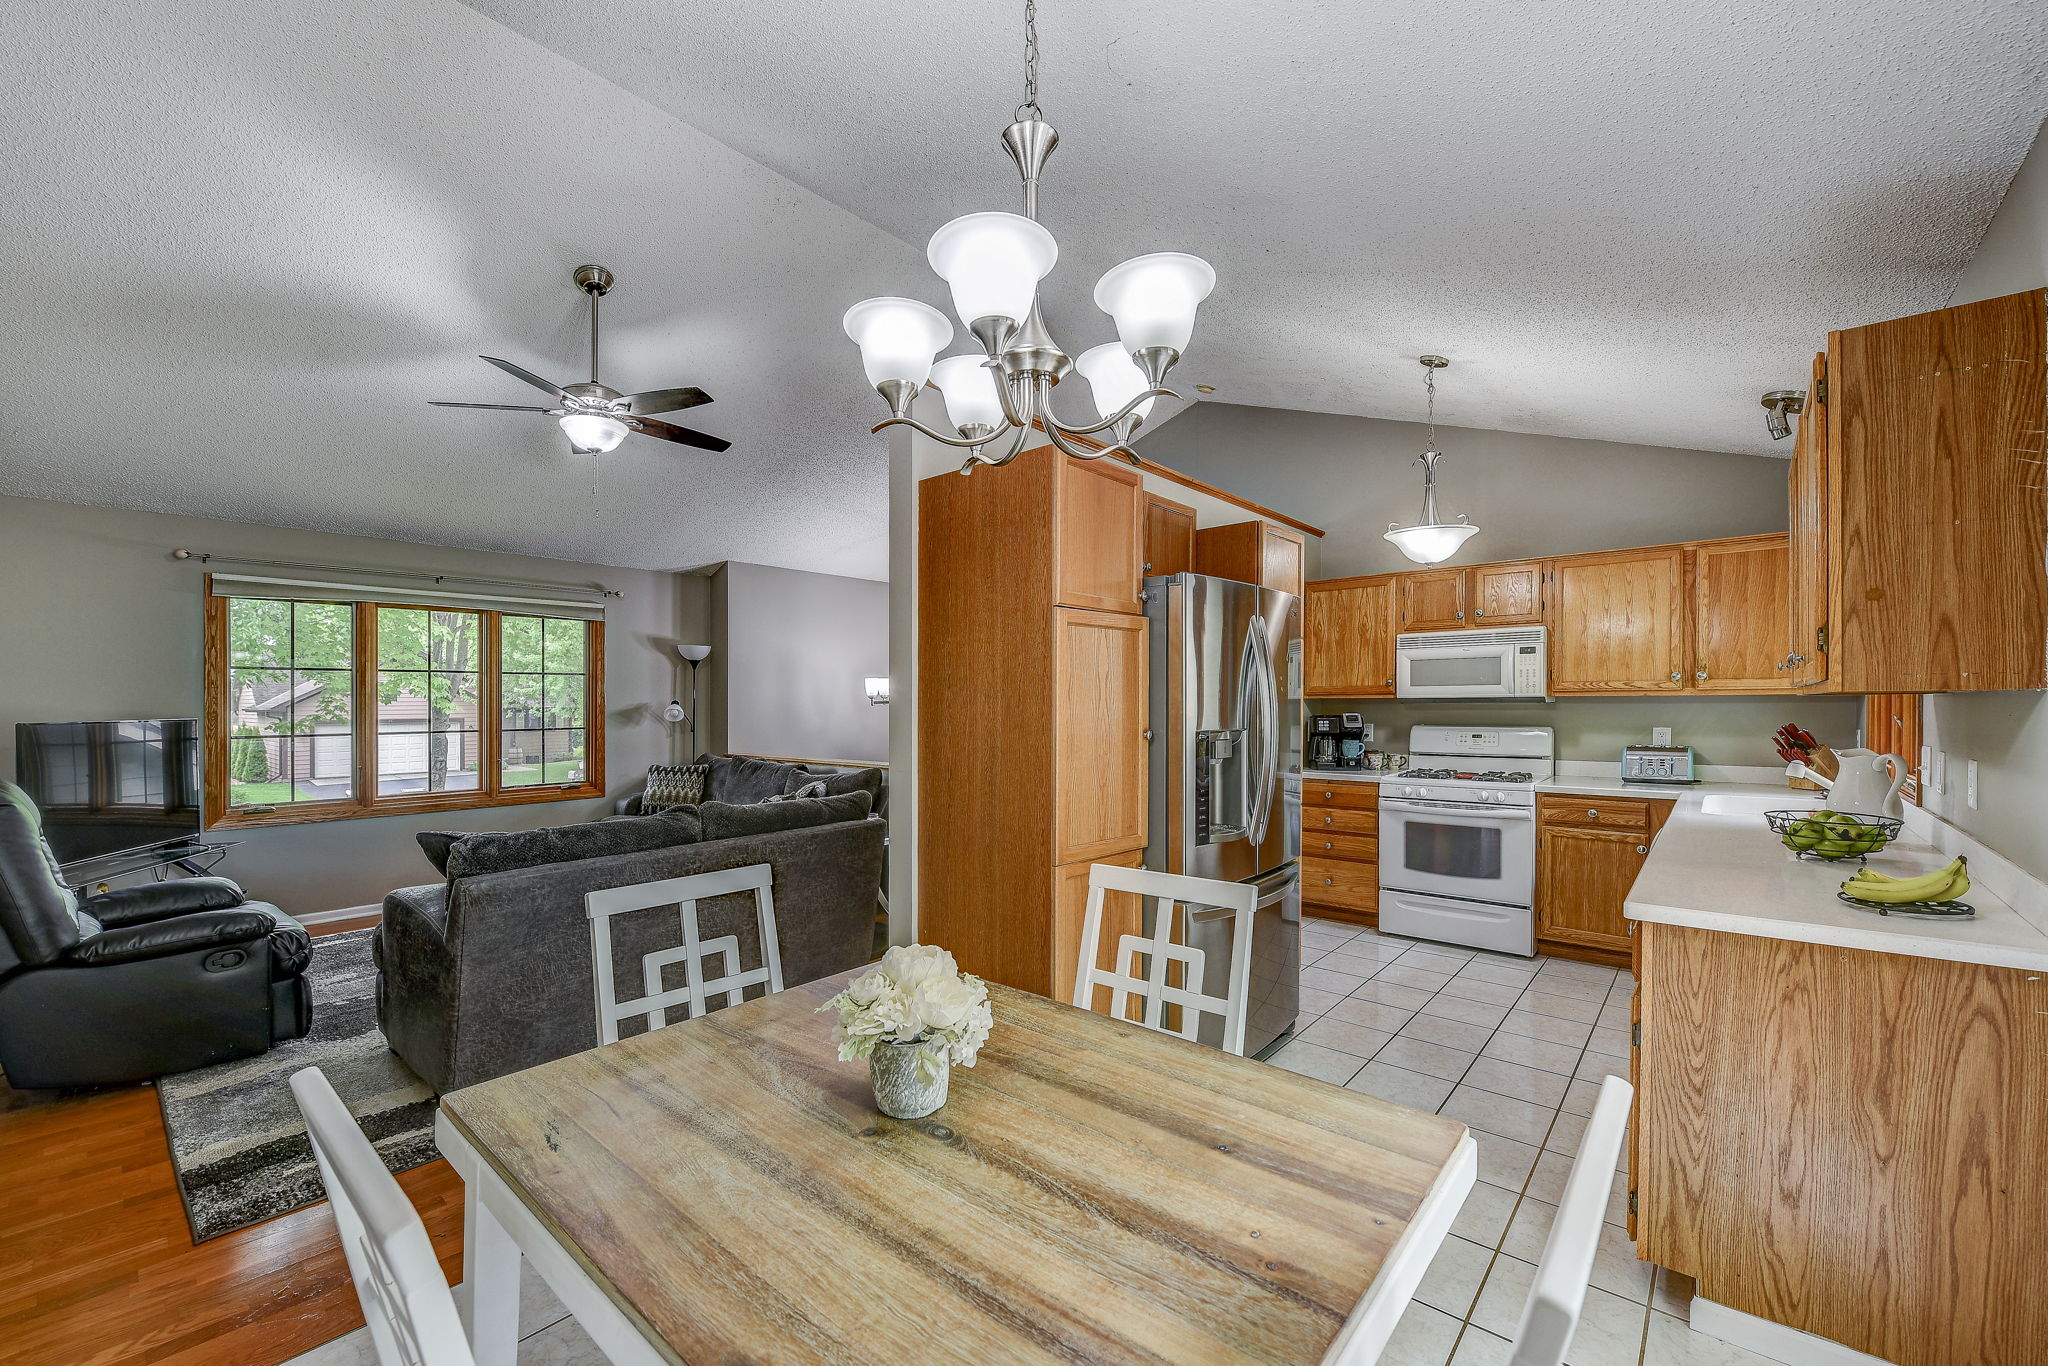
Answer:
(692, 655)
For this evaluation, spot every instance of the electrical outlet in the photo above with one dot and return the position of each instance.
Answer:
(1970, 784)
(1367, 733)
(1940, 773)
(1660, 735)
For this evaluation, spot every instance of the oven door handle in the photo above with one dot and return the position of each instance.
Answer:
(1491, 813)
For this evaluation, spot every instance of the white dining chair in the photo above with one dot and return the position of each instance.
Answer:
(1184, 901)
(683, 893)
(1558, 1294)
(406, 1301)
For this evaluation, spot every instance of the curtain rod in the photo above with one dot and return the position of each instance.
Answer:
(205, 558)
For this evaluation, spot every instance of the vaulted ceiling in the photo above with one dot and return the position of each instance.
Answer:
(250, 241)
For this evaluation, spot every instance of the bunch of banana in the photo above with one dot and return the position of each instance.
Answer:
(1943, 884)
(1833, 835)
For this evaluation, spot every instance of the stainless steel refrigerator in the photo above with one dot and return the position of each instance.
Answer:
(1225, 679)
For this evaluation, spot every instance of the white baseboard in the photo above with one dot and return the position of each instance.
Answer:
(1793, 1346)
(344, 913)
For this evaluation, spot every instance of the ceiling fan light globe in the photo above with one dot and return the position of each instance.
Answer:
(897, 338)
(992, 262)
(1114, 378)
(1153, 298)
(969, 387)
(1431, 543)
(594, 431)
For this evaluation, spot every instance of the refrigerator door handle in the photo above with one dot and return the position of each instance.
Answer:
(1259, 647)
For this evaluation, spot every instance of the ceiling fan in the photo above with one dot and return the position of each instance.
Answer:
(596, 417)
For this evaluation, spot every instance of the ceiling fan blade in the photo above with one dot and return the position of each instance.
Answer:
(505, 407)
(668, 431)
(665, 400)
(517, 373)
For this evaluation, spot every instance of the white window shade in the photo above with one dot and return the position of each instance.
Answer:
(333, 590)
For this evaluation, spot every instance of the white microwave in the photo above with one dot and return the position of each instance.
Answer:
(1473, 664)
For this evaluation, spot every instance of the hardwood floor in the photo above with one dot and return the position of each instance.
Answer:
(97, 1265)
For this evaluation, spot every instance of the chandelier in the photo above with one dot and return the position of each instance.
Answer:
(992, 262)
(1430, 541)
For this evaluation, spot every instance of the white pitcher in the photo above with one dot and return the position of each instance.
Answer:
(1868, 783)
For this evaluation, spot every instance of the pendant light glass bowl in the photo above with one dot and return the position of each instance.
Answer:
(1153, 298)
(1114, 378)
(897, 338)
(969, 388)
(593, 431)
(1433, 543)
(993, 263)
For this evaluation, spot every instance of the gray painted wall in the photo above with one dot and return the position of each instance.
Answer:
(100, 623)
(1531, 495)
(797, 647)
(1721, 730)
(2006, 733)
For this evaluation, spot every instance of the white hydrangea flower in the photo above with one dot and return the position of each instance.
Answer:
(915, 994)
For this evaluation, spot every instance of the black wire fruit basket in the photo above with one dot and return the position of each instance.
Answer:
(1831, 836)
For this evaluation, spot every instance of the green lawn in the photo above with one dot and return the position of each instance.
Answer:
(532, 775)
(261, 794)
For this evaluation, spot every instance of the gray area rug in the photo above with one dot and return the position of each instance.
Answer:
(237, 1141)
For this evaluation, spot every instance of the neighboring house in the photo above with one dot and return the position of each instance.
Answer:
(326, 752)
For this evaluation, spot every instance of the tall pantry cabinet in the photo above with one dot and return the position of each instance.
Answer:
(1032, 709)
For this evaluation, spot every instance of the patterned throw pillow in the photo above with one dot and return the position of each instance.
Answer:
(673, 785)
(797, 792)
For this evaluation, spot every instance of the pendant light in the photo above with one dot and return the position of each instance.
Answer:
(1430, 541)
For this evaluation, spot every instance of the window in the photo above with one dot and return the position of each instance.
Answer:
(1891, 725)
(331, 710)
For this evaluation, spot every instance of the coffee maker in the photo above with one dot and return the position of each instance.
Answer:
(1351, 740)
(1323, 742)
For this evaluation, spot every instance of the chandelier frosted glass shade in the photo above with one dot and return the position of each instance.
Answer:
(969, 387)
(593, 431)
(1114, 378)
(993, 263)
(1153, 298)
(1433, 542)
(897, 338)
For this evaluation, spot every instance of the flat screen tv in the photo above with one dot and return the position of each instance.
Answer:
(107, 787)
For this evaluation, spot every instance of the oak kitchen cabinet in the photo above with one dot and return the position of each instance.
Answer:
(1350, 637)
(1588, 852)
(1261, 552)
(1169, 536)
(1508, 593)
(1805, 662)
(1031, 681)
(1740, 589)
(1432, 600)
(1340, 824)
(1617, 622)
(1917, 505)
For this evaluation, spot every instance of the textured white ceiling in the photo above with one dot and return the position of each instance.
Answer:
(247, 242)
(1623, 222)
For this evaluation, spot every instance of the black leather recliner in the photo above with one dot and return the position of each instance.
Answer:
(140, 981)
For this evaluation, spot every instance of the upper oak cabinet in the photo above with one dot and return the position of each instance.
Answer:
(1351, 637)
(1433, 600)
(1509, 594)
(1169, 536)
(1805, 661)
(1101, 536)
(1739, 594)
(1260, 552)
(1618, 622)
(1935, 527)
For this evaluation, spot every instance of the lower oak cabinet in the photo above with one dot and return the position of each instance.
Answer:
(1588, 852)
(1340, 849)
(1850, 1143)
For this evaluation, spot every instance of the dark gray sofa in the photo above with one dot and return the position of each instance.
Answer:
(490, 973)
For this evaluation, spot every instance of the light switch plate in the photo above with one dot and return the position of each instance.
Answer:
(1970, 784)
(1660, 735)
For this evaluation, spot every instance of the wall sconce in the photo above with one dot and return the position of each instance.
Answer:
(878, 692)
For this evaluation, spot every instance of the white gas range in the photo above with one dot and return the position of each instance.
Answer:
(1458, 836)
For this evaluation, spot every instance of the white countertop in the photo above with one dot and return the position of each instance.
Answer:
(1731, 873)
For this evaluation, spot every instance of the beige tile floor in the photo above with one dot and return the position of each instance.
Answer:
(1515, 1049)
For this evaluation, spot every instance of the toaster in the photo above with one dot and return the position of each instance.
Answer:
(1657, 764)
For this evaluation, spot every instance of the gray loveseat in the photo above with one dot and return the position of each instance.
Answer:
(490, 972)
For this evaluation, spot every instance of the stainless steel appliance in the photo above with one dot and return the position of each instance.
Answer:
(1351, 735)
(1670, 764)
(1225, 682)
(1458, 836)
(1511, 662)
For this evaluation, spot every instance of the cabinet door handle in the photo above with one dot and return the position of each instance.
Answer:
(1642, 848)
(1461, 614)
(1329, 881)
(1329, 820)
(1329, 844)
(1147, 735)
(1675, 675)
(1701, 675)
(1479, 612)
(1329, 794)
(1593, 813)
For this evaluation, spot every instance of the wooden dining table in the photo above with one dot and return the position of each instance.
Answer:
(724, 1190)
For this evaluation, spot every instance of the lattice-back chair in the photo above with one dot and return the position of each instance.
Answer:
(1180, 899)
(406, 1301)
(683, 893)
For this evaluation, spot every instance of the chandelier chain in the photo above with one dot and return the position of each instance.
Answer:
(1030, 109)
(1429, 383)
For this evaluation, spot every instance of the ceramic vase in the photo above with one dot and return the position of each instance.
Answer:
(902, 1090)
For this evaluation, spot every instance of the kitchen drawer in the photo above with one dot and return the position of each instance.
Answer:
(1355, 796)
(1330, 844)
(1341, 819)
(1605, 813)
(1335, 882)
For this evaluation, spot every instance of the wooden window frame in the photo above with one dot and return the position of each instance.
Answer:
(1893, 723)
(490, 791)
